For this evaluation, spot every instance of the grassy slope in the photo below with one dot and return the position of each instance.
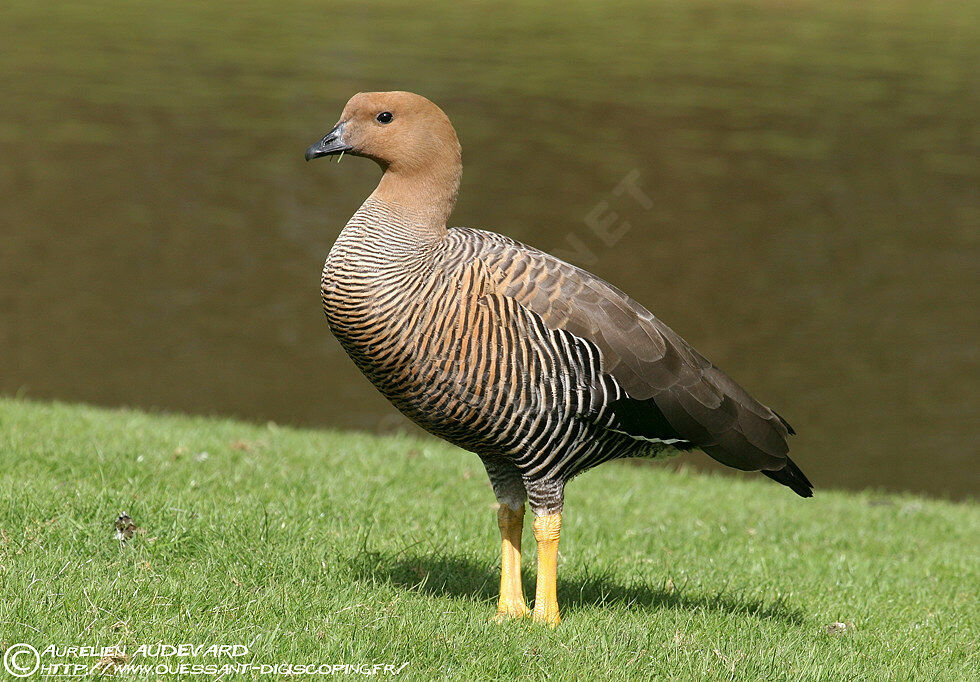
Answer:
(321, 547)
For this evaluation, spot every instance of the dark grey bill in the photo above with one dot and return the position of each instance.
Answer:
(330, 144)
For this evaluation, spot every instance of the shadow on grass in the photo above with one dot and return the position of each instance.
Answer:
(459, 577)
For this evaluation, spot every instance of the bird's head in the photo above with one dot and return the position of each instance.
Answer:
(401, 131)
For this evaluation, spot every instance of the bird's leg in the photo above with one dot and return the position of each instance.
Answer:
(511, 604)
(547, 529)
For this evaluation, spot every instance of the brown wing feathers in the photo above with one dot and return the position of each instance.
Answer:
(673, 394)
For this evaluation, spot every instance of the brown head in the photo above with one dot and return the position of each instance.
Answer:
(413, 142)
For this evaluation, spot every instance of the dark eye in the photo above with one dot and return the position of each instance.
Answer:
(385, 117)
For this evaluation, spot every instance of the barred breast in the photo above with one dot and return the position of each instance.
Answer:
(426, 321)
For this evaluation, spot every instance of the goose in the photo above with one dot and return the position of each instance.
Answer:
(539, 367)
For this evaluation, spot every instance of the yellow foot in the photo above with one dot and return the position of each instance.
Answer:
(507, 612)
(547, 614)
(511, 603)
(546, 531)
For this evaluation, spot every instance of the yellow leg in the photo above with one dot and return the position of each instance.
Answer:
(511, 604)
(547, 529)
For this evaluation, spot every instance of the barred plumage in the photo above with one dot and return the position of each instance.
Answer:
(468, 334)
(426, 323)
(539, 367)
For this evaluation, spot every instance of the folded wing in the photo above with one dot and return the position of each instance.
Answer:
(672, 393)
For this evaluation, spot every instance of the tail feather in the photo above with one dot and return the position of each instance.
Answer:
(791, 476)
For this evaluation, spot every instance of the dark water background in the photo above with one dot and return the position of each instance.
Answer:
(811, 169)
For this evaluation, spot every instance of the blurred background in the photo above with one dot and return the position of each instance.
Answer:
(808, 172)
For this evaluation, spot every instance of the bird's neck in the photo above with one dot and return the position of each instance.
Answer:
(427, 193)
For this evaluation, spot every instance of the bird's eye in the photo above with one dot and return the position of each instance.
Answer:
(385, 117)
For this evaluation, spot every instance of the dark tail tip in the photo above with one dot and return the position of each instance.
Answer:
(791, 476)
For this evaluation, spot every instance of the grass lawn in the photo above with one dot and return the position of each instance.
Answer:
(319, 547)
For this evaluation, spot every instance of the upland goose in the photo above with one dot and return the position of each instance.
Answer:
(537, 366)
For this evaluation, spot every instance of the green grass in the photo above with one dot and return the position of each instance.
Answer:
(324, 547)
